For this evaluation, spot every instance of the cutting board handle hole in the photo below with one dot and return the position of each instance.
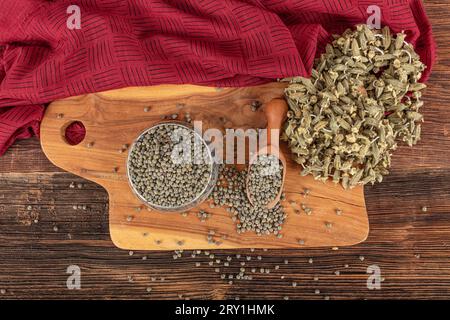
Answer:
(74, 132)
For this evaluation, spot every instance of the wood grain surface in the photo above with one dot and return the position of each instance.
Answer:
(411, 247)
(114, 122)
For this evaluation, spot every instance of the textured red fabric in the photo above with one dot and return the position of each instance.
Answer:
(148, 42)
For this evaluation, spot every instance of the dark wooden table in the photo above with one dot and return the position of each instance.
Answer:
(41, 233)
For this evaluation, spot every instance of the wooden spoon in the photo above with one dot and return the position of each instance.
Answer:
(275, 112)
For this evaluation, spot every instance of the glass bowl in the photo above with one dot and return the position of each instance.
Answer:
(202, 196)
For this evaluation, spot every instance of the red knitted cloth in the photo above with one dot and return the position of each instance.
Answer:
(148, 42)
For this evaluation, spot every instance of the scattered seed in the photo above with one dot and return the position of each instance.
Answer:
(255, 105)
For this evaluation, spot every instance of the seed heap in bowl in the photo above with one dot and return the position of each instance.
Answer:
(231, 192)
(363, 96)
(168, 166)
(265, 179)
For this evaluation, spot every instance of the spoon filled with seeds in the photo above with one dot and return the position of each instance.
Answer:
(266, 170)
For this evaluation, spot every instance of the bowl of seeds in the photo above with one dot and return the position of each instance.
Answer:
(171, 168)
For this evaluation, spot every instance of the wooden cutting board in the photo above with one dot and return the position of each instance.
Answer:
(115, 118)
